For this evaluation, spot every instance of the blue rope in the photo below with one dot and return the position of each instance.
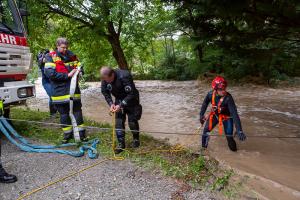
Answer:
(24, 145)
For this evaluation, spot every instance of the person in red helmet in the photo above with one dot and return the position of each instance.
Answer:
(224, 113)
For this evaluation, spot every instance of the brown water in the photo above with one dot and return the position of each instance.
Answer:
(171, 106)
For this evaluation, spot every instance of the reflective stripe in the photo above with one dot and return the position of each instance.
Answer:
(67, 129)
(61, 101)
(69, 64)
(1, 107)
(64, 98)
(50, 65)
(81, 127)
(73, 63)
(58, 98)
(77, 96)
(56, 58)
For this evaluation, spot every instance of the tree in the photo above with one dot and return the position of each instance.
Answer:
(105, 18)
(175, 39)
(254, 35)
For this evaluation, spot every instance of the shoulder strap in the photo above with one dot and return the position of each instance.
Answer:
(213, 99)
(220, 102)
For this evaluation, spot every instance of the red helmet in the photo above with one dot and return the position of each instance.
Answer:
(219, 83)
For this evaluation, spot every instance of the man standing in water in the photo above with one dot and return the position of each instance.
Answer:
(223, 112)
(119, 83)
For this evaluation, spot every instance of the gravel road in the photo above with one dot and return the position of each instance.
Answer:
(110, 180)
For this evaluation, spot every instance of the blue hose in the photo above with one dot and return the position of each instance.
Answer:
(24, 145)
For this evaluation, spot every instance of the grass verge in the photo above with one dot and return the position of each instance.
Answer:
(196, 171)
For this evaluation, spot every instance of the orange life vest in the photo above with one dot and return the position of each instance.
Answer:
(216, 110)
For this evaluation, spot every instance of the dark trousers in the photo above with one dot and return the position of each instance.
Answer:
(65, 119)
(48, 88)
(134, 114)
(228, 128)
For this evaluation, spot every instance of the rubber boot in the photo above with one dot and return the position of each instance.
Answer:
(5, 177)
(84, 139)
(134, 127)
(205, 139)
(136, 140)
(83, 136)
(231, 143)
(203, 151)
(67, 138)
(121, 146)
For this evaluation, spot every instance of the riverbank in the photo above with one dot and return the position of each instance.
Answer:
(195, 177)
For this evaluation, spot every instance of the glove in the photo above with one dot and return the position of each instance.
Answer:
(79, 64)
(241, 135)
(202, 120)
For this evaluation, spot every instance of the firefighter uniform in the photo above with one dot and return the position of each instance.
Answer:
(57, 67)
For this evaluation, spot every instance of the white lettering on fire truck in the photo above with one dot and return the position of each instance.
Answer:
(12, 39)
(8, 39)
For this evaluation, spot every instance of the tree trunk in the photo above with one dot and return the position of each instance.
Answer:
(166, 47)
(200, 53)
(173, 51)
(153, 54)
(114, 40)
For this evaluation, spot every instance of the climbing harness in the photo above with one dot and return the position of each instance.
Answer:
(72, 96)
(11, 134)
(216, 111)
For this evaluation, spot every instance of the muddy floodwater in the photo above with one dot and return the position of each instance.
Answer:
(171, 106)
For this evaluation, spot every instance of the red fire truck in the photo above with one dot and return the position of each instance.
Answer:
(15, 56)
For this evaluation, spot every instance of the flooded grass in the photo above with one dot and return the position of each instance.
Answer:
(200, 172)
